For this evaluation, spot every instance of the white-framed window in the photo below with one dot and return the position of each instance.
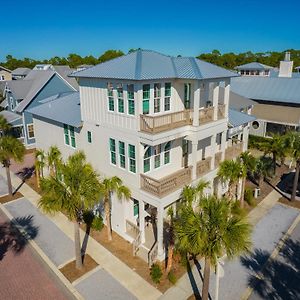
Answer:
(110, 95)
(157, 151)
(167, 103)
(122, 154)
(132, 161)
(167, 150)
(120, 98)
(147, 159)
(30, 131)
(69, 133)
(157, 93)
(89, 137)
(130, 98)
(112, 147)
(146, 98)
(187, 95)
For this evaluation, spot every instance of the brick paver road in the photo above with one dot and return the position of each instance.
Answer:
(25, 276)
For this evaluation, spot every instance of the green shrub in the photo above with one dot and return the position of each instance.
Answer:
(97, 223)
(249, 197)
(172, 278)
(156, 273)
(254, 141)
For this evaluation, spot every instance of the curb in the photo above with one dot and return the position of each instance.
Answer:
(275, 252)
(45, 258)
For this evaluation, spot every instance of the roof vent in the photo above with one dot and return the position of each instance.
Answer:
(287, 56)
(286, 66)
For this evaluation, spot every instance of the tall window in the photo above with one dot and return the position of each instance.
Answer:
(167, 153)
(122, 154)
(110, 93)
(130, 96)
(135, 207)
(30, 131)
(167, 104)
(132, 162)
(187, 95)
(120, 98)
(157, 97)
(146, 98)
(112, 147)
(89, 137)
(157, 151)
(69, 133)
(147, 157)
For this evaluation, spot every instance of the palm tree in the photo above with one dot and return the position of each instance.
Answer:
(263, 169)
(171, 240)
(4, 126)
(108, 187)
(294, 150)
(211, 231)
(54, 159)
(248, 162)
(39, 165)
(10, 148)
(230, 171)
(80, 189)
(191, 194)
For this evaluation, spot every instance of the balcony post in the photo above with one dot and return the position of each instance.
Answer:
(197, 93)
(216, 100)
(194, 159)
(213, 151)
(245, 137)
(142, 220)
(226, 97)
(223, 144)
(160, 231)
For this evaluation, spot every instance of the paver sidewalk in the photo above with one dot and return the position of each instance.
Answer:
(122, 274)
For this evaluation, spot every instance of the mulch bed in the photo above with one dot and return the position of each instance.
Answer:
(32, 183)
(122, 249)
(295, 204)
(9, 198)
(72, 273)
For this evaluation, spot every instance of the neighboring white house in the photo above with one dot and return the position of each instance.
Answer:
(156, 121)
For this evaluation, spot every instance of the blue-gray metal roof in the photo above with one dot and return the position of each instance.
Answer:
(10, 116)
(236, 118)
(276, 89)
(147, 65)
(65, 109)
(254, 66)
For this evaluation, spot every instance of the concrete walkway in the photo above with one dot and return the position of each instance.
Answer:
(270, 221)
(121, 273)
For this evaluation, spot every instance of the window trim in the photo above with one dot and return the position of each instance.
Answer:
(89, 137)
(130, 158)
(28, 137)
(112, 152)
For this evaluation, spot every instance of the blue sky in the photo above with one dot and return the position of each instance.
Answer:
(42, 29)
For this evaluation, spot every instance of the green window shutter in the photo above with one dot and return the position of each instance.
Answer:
(72, 134)
(135, 207)
(112, 146)
(89, 136)
(132, 163)
(168, 89)
(157, 161)
(122, 154)
(121, 105)
(145, 106)
(66, 133)
(167, 157)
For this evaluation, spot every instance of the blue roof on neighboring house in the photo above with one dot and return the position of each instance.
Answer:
(236, 118)
(254, 66)
(64, 109)
(147, 65)
(276, 89)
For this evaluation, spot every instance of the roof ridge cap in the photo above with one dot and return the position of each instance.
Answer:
(195, 66)
(138, 65)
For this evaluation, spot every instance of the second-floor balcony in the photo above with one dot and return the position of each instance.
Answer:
(160, 123)
(234, 150)
(203, 166)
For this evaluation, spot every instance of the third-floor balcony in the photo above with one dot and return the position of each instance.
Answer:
(160, 123)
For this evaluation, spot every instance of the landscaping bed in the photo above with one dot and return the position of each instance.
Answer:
(72, 273)
(8, 198)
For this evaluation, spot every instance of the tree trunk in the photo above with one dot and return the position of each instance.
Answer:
(77, 245)
(170, 258)
(37, 175)
(260, 181)
(52, 173)
(295, 184)
(243, 192)
(107, 217)
(205, 287)
(274, 163)
(9, 185)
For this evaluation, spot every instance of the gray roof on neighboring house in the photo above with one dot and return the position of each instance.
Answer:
(5, 69)
(147, 65)
(19, 88)
(64, 72)
(276, 89)
(236, 118)
(10, 116)
(254, 66)
(20, 71)
(4, 103)
(65, 109)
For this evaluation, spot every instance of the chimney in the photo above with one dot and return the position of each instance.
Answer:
(286, 66)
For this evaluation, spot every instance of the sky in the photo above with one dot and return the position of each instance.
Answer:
(43, 29)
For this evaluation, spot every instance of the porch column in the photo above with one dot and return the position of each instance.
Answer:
(226, 97)
(160, 232)
(194, 159)
(216, 99)
(138, 97)
(196, 106)
(245, 137)
(213, 151)
(142, 220)
(223, 144)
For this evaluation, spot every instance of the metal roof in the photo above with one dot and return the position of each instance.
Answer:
(20, 71)
(236, 118)
(5, 69)
(10, 116)
(65, 109)
(147, 65)
(254, 66)
(276, 89)
(19, 88)
(64, 72)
